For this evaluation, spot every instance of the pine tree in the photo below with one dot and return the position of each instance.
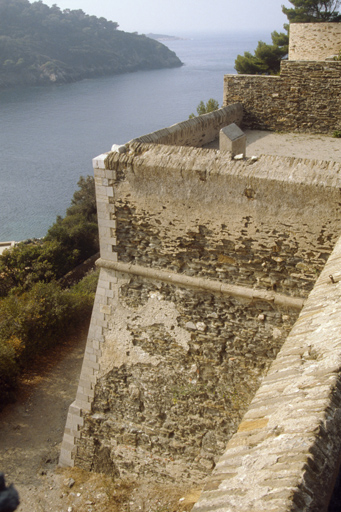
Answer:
(305, 11)
(267, 57)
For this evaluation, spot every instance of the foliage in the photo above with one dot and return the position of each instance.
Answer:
(77, 232)
(338, 57)
(337, 134)
(84, 200)
(35, 312)
(36, 320)
(41, 44)
(267, 57)
(87, 286)
(211, 106)
(305, 11)
(69, 242)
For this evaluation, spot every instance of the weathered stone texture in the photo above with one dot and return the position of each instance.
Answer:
(175, 366)
(179, 368)
(306, 97)
(285, 455)
(176, 353)
(196, 213)
(314, 41)
(197, 131)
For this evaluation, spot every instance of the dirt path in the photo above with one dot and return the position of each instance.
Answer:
(32, 428)
(31, 433)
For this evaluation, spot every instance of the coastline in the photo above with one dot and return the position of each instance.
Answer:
(60, 77)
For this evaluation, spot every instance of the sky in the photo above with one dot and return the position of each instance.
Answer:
(176, 17)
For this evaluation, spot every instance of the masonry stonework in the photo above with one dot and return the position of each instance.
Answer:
(305, 97)
(314, 41)
(198, 131)
(211, 325)
(205, 265)
(287, 447)
(178, 369)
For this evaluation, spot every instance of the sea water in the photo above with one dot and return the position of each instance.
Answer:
(49, 135)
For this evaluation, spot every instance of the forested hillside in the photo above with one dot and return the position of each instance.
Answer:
(41, 44)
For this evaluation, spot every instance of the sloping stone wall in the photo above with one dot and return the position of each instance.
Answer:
(314, 41)
(205, 264)
(286, 453)
(178, 368)
(197, 213)
(304, 98)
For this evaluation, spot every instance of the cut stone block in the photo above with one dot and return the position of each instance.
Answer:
(233, 139)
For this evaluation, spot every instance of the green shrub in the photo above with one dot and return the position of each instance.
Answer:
(35, 320)
(210, 106)
(87, 286)
(337, 134)
(9, 369)
(69, 242)
(35, 312)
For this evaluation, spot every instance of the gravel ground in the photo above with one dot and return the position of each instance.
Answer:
(299, 145)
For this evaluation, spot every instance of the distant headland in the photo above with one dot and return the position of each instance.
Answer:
(163, 37)
(40, 45)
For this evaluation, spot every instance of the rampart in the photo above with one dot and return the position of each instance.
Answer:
(206, 264)
(286, 452)
(314, 41)
(216, 318)
(197, 131)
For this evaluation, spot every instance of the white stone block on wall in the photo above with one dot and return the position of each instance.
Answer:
(233, 139)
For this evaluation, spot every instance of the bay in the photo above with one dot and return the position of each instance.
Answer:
(49, 135)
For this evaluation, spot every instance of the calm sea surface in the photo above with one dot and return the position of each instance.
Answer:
(49, 135)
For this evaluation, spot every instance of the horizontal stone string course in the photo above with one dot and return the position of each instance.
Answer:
(205, 266)
(196, 212)
(204, 284)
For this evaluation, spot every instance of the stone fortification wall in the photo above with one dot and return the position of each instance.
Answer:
(178, 368)
(304, 98)
(314, 41)
(197, 131)
(178, 344)
(285, 455)
(197, 213)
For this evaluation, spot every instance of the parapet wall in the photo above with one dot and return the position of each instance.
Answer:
(314, 41)
(205, 265)
(197, 131)
(197, 213)
(304, 98)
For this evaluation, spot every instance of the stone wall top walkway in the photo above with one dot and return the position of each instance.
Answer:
(299, 145)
